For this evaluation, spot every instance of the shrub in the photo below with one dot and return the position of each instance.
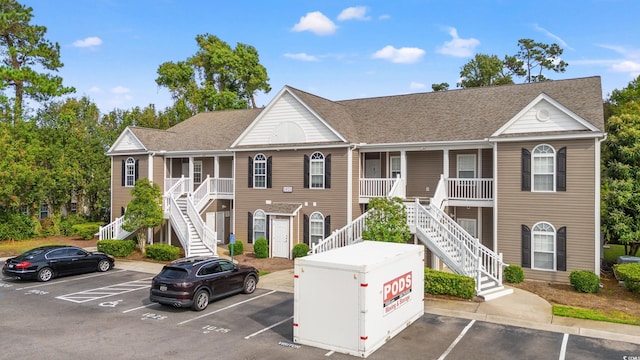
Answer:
(443, 283)
(86, 231)
(117, 248)
(584, 281)
(630, 274)
(67, 222)
(513, 274)
(237, 248)
(300, 250)
(16, 226)
(162, 252)
(261, 248)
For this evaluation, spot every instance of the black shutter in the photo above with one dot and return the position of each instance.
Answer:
(136, 172)
(526, 246)
(250, 172)
(305, 231)
(269, 163)
(561, 171)
(561, 249)
(122, 211)
(306, 171)
(526, 170)
(327, 172)
(249, 227)
(124, 170)
(266, 227)
(327, 226)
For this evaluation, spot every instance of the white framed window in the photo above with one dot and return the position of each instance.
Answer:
(394, 166)
(316, 172)
(316, 228)
(469, 225)
(197, 172)
(466, 166)
(260, 171)
(44, 211)
(543, 249)
(259, 225)
(130, 172)
(543, 168)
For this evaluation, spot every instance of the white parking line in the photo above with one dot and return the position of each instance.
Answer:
(99, 293)
(139, 307)
(71, 279)
(563, 348)
(228, 307)
(267, 328)
(457, 340)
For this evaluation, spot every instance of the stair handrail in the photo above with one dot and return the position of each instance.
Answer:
(398, 189)
(207, 235)
(113, 230)
(182, 227)
(347, 235)
(440, 194)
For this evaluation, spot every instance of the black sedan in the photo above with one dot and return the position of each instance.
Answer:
(46, 262)
(194, 281)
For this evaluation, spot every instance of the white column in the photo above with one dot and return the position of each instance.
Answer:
(150, 167)
(596, 209)
(479, 162)
(445, 163)
(495, 197)
(191, 173)
(479, 227)
(403, 165)
(350, 185)
(216, 166)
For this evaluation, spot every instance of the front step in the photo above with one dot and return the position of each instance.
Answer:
(494, 293)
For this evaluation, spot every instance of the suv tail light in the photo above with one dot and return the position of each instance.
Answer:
(183, 285)
(23, 265)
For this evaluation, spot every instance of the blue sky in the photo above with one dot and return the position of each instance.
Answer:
(111, 49)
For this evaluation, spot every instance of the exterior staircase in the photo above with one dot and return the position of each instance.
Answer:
(196, 246)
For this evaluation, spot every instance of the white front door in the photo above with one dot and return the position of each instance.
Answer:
(280, 238)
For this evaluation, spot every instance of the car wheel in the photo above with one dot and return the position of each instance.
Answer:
(45, 274)
(200, 300)
(104, 265)
(249, 285)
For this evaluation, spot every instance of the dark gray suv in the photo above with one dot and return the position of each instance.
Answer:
(194, 281)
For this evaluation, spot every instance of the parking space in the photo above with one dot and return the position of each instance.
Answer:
(109, 314)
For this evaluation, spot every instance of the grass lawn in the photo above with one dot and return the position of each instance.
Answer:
(590, 314)
(13, 248)
(613, 251)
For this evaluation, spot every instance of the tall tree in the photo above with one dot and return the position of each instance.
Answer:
(440, 87)
(23, 53)
(537, 57)
(217, 77)
(484, 70)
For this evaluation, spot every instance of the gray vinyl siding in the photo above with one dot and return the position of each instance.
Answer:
(574, 208)
(288, 171)
(158, 171)
(226, 166)
(423, 170)
(487, 164)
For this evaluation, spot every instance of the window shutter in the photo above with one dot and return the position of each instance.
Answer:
(561, 249)
(269, 162)
(136, 171)
(266, 226)
(250, 172)
(305, 232)
(526, 170)
(526, 246)
(249, 227)
(122, 211)
(327, 226)
(124, 170)
(561, 172)
(306, 172)
(327, 172)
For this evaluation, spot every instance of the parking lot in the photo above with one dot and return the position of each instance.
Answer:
(108, 315)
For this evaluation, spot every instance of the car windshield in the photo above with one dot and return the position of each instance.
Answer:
(173, 273)
(30, 254)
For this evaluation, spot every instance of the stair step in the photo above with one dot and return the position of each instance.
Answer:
(495, 293)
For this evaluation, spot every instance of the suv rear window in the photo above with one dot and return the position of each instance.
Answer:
(173, 273)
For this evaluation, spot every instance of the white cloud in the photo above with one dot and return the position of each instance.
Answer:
(416, 85)
(301, 56)
(354, 13)
(317, 23)
(120, 90)
(384, 17)
(88, 42)
(95, 89)
(632, 67)
(552, 35)
(458, 47)
(401, 56)
(629, 64)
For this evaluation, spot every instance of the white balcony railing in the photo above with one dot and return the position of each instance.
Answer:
(211, 187)
(469, 189)
(375, 187)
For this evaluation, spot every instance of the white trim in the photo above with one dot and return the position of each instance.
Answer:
(555, 247)
(111, 218)
(551, 101)
(431, 145)
(349, 185)
(548, 137)
(495, 197)
(554, 174)
(296, 147)
(598, 244)
(445, 163)
(475, 164)
(127, 130)
(150, 168)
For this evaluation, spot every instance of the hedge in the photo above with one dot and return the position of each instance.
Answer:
(443, 283)
(117, 248)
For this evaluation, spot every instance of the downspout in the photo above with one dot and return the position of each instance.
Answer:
(598, 241)
(350, 183)
(495, 197)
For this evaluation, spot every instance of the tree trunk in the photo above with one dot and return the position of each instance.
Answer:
(142, 239)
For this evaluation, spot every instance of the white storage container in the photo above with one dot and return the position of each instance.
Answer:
(356, 298)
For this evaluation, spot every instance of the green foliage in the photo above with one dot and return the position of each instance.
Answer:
(237, 248)
(47, 228)
(67, 222)
(162, 252)
(387, 221)
(15, 226)
(300, 250)
(537, 56)
(443, 283)
(86, 231)
(144, 210)
(117, 248)
(630, 274)
(484, 70)
(513, 274)
(261, 248)
(584, 281)
(597, 315)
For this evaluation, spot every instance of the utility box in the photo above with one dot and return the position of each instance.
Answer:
(356, 298)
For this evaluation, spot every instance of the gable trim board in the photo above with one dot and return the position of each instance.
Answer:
(127, 141)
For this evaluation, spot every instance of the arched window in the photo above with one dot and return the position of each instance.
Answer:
(260, 171)
(259, 225)
(317, 171)
(316, 227)
(543, 249)
(544, 159)
(130, 172)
